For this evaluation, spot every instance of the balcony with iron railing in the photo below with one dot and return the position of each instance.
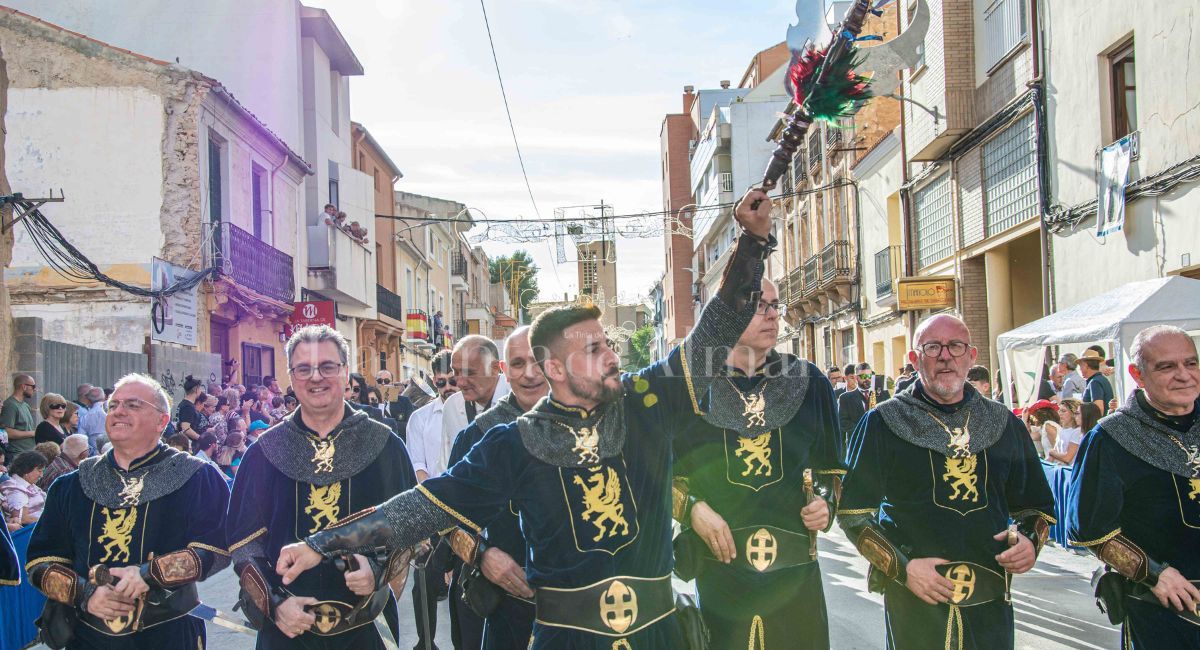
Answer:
(416, 329)
(814, 152)
(458, 266)
(799, 170)
(887, 268)
(793, 286)
(388, 303)
(836, 263)
(252, 263)
(810, 276)
(833, 137)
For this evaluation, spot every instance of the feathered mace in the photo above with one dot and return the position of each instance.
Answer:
(824, 86)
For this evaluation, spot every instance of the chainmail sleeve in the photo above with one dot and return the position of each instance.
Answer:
(400, 522)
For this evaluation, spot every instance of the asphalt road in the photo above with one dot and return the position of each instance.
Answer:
(1054, 605)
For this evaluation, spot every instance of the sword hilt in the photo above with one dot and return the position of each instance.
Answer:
(810, 495)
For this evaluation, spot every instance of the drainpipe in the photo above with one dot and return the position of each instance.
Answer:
(1038, 87)
(905, 194)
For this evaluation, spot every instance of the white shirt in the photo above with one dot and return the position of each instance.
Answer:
(454, 418)
(425, 438)
(1066, 437)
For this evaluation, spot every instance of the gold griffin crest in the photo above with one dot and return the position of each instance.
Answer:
(1195, 485)
(756, 450)
(602, 502)
(131, 490)
(116, 533)
(755, 408)
(323, 500)
(323, 451)
(963, 478)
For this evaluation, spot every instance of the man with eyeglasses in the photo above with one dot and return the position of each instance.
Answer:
(16, 417)
(936, 475)
(1135, 496)
(123, 540)
(757, 478)
(312, 470)
(430, 455)
(394, 403)
(856, 401)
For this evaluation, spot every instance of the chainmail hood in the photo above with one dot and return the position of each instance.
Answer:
(1144, 436)
(549, 431)
(783, 389)
(162, 472)
(357, 441)
(504, 411)
(915, 418)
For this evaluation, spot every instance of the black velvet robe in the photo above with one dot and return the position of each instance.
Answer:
(744, 607)
(925, 513)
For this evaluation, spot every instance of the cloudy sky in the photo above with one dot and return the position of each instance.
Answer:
(588, 81)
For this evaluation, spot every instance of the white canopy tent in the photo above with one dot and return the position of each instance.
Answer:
(1111, 318)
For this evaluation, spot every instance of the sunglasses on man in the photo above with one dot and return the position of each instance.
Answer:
(441, 383)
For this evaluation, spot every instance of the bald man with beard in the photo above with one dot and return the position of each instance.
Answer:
(935, 474)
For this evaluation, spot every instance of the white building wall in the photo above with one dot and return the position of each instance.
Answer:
(216, 37)
(1159, 231)
(112, 178)
(878, 178)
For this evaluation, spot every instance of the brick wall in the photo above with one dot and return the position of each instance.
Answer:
(677, 131)
(973, 299)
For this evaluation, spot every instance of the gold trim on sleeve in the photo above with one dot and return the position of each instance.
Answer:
(9, 583)
(49, 558)
(1049, 519)
(450, 511)
(253, 536)
(1097, 542)
(839, 472)
(214, 549)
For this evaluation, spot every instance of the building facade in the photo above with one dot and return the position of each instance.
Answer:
(203, 185)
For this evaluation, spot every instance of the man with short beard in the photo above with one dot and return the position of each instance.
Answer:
(740, 493)
(1135, 495)
(497, 550)
(317, 467)
(935, 475)
(588, 469)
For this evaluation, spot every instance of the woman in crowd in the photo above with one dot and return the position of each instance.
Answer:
(1041, 418)
(1089, 415)
(278, 410)
(50, 450)
(71, 420)
(53, 409)
(20, 492)
(218, 418)
(1070, 434)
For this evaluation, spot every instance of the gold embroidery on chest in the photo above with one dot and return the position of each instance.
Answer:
(602, 502)
(756, 451)
(323, 505)
(131, 490)
(116, 533)
(323, 451)
(963, 479)
(1194, 495)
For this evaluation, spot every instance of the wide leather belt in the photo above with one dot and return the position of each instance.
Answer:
(1142, 592)
(616, 607)
(764, 549)
(159, 606)
(974, 584)
(335, 617)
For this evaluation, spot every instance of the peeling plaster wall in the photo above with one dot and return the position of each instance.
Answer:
(117, 133)
(6, 238)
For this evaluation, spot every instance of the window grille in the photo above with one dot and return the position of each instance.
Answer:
(933, 234)
(1010, 176)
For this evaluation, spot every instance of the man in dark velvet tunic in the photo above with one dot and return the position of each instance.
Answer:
(148, 515)
(588, 469)
(314, 469)
(935, 476)
(1135, 495)
(499, 551)
(740, 487)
